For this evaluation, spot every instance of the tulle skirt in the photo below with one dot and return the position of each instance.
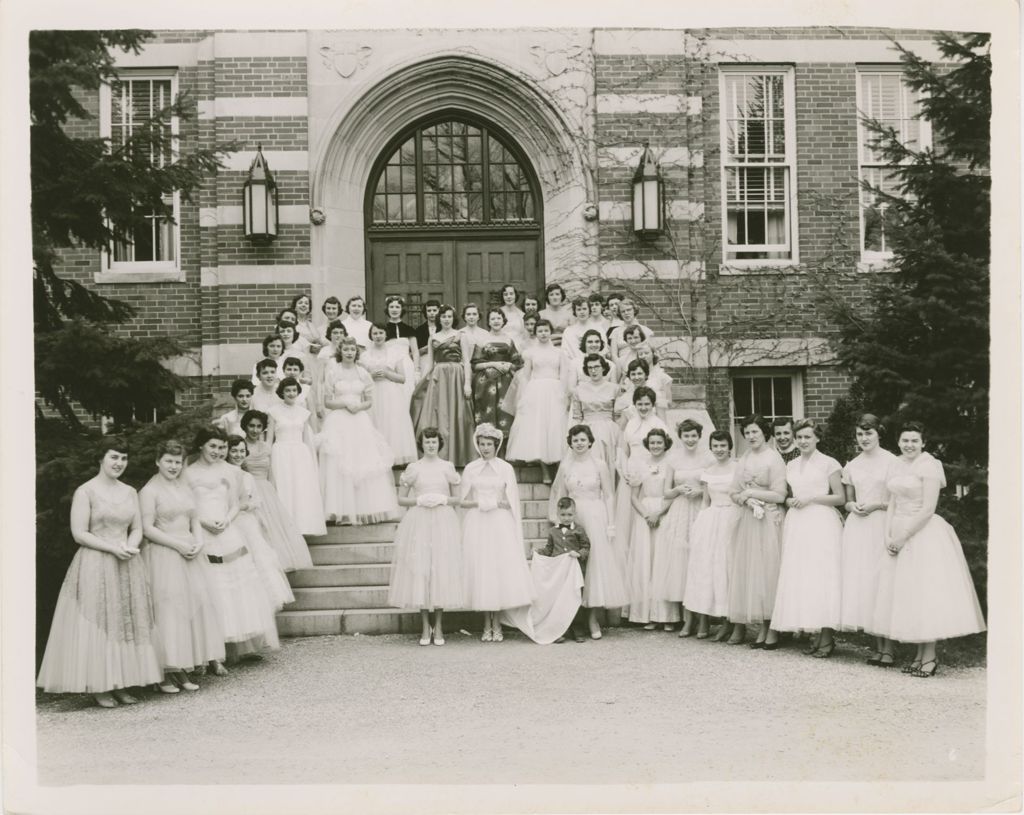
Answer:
(267, 564)
(537, 433)
(925, 593)
(643, 549)
(607, 436)
(103, 635)
(293, 473)
(440, 401)
(707, 573)
(754, 565)
(280, 530)
(495, 570)
(863, 552)
(390, 415)
(246, 612)
(556, 587)
(427, 568)
(355, 470)
(186, 617)
(604, 585)
(672, 554)
(807, 597)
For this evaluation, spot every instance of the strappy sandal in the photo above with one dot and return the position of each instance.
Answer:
(911, 667)
(922, 673)
(825, 651)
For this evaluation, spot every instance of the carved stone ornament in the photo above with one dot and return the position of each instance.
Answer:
(555, 61)
(346, 59)
(317, 216)
(590, 212)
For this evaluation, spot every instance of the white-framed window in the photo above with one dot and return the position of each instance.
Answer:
(154, 250)
(758, 142)
(883, 95)
(772, 392)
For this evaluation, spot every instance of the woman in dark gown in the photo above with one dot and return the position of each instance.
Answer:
(440, 398)
(494, 364)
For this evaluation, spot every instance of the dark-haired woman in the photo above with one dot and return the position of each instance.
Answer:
(633, 337)
(246, 612)
(707, 572)
(684, 496)
(556, 311)
(185, 614)
(440, 399)
(645, 543)
(494, 364)
(307, 331)
(332, 310)
(426, 572)
(387, 365)
(867, 498)
(758, 488)
(593, 404)
(636, 377)
(293, 469)
(513, 314)
(272, 347)
(103, 638)
(282, 534)
(536, 432)
(425, 330)
(572, 337)
(355, 459)
(925, 591)
(400, 339)
(355, 321)
(583, 476)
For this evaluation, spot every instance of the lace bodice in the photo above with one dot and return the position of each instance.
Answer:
(289, 422)
(596, 403)
(258, 461)
(906, 482)
(719, 486)
(110, 518)
(582, 479)
(446, 350)
(546, 361)
(173, 505)
(808, 477)
(427, 477)
(867, 475)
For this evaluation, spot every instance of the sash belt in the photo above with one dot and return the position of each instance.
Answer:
(228, 558)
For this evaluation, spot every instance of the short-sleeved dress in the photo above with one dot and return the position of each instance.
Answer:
(103, 635)
(647, 552)
(426, 572)
(756, 543)
(293, 469)
(632, 457)
(538, 431)
(281, 532)
(184, 611)
(707, 573)
(675, 532)
(925, 592)
(864, 539)
(808, 593)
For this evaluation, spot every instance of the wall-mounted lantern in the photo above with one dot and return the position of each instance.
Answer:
(648, 197)
(259, 201)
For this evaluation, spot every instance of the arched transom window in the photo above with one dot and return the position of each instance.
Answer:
(452, 172)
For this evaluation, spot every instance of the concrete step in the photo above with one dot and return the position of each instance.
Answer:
(338, 597)
(371, 533)
(535, 510)
(362, 574)
(369, 621)
(342, 554)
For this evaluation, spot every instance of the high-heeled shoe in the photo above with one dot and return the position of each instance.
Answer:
(922, 673)
(910, 667)
(825, 651)
(105, 700)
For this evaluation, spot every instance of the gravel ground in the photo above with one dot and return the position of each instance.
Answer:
(634, 707)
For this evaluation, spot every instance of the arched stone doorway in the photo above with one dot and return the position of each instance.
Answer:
(453, 210)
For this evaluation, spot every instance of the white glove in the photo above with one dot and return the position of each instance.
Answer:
(487, 503)
(431, 499)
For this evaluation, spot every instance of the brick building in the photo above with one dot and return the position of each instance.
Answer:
(441, 163)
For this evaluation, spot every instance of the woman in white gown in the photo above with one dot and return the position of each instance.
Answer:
(593, 404)
(355, 459)
(583, 476)
(390, 411)
(293, 470)
(513, 315)
(867, 498)
(808, 594)
(355, 322)
(497, 577)
(925, 591)
(536, 433)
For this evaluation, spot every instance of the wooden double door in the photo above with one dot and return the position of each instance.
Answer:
(454, 270)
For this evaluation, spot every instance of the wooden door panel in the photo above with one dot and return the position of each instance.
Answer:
(482, 267)
(417, 270)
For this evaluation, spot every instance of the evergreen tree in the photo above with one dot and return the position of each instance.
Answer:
(87, 193)
(922, 352)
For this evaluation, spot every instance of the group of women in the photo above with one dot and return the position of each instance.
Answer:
(177, 578)
(189, 572)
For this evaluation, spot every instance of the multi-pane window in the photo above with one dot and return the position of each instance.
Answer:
(452, 172)
(134, 102)
(771, 393)
(757, 163)
(884, 96)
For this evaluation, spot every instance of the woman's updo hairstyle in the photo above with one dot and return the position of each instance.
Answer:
(642, 391)
(869, 421)
(657, 431)
(808, 424)
(576, 429)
